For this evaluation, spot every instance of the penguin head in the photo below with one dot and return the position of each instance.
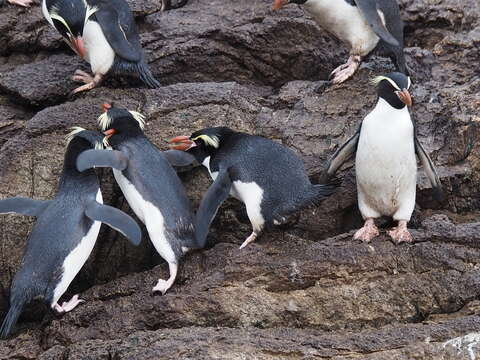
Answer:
(69, 18)
(202, 143)
(79, 140)
(281, 3)
(393, 88)
(119, 124)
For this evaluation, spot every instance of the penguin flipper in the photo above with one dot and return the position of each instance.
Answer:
(102, 158)
(24, 206)
(430, 170)
(118, 26)
(213, 198)
(116, 219)
(342, 154)
(179, 158)
(369, 10)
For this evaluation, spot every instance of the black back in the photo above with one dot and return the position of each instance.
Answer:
(275, 168)
(60, 227)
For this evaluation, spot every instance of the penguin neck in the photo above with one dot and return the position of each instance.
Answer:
(119, 139)
(392, 99)
(70, 174)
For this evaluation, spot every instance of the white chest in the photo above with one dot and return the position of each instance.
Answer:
(385, 164)
(149, 214)
(345, 22)
(99, 53)
(77, 257)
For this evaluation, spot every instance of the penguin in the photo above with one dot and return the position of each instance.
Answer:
(385, 145)
(152, 188)
(364, 25)
(102, 32)
(64, 234)
(266, 176)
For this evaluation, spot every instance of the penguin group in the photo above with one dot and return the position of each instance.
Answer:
(267, 177)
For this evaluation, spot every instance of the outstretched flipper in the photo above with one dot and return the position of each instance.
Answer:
(214, 197)
(24, 206)
(179, 158)
(370, 11)
(343, 153)
(429, 170)
(102, 158)
(116, 219)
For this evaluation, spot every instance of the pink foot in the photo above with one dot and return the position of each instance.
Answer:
(89, 81)
(401, 234)
(250, 239)
(345, 71)
(68, 306)
(163, 285)
(24, 3)
(367, 232)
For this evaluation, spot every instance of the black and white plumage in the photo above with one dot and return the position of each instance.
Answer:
(64, 234)
(364, 25)
(102, 32)
(386, 168)
(267, 177)
(153, 189)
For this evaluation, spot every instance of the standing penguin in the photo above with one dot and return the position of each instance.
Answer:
(386, 167)
(102, 32)
(364, 25)
(64, 234)
(153, 189)
(267, 177)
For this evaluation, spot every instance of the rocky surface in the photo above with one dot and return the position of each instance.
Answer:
(303, 291)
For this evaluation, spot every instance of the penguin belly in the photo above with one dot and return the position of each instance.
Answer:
(77, 257)
(149, 214)
(345, 22)
(249, 193)
(99, 53)
(386, 166)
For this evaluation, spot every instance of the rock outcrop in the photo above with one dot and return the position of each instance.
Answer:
(304, 291)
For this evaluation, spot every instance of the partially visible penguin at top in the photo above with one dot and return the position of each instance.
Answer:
(102, 32)
(364, 25)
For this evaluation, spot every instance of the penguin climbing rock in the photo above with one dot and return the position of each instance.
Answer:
(153, 189)
(364, 25)
(64, 234)
(267, 177)
(386, 167)
(102, 32)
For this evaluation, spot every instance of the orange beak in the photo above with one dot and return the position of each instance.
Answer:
(278, 4)
(106, 107)
(78, 46)
(405, 97)
(182, 143)
(108, 134)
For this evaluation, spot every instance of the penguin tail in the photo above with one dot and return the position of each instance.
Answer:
(16, 307)
(322, 191)
(146, 75)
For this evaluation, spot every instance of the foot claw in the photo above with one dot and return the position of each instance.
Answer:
(250, 239)
(400, 235)
(68, 305)
(24, 3)
(367, 232)
(162, 286)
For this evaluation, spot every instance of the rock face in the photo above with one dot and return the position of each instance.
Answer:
(304, 291)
